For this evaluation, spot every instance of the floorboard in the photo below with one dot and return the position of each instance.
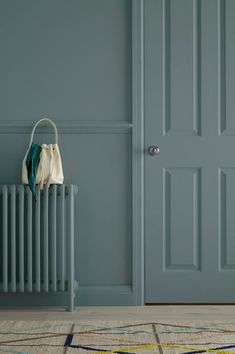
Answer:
(159, 312)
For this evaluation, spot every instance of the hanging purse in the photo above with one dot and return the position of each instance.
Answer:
(42, 164)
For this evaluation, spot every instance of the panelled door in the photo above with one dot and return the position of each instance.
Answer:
(190, 175)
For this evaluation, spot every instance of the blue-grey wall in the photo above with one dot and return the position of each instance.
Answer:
(71, 61)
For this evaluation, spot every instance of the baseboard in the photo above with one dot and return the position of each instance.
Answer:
(85, 296)
(116, 295)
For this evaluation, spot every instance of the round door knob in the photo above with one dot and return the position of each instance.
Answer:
(153, 150)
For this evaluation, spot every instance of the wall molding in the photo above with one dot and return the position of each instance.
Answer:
(68, 127)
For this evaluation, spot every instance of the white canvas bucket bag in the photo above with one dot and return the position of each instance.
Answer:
(50, 169)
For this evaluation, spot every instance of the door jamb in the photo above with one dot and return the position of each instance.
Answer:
(137, 35)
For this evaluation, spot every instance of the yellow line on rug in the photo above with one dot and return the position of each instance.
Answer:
(151, 345)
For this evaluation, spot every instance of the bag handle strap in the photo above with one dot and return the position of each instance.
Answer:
(50, 122)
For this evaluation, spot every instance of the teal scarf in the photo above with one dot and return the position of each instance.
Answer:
(32, 161)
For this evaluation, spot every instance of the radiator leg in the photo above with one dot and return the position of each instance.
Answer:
(71, 306)
(71, 293)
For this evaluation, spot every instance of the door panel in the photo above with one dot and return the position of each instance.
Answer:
(226, 218)
(227, 77)
(180, 66)
(181, 225)
(190, 184)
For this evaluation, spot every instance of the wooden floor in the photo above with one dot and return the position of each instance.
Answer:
(160, 312)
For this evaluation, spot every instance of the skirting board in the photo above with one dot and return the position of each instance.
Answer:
(85, 296)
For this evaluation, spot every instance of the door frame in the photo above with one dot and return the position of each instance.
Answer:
(138, 237)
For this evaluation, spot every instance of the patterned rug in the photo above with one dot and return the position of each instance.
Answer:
(163, 337)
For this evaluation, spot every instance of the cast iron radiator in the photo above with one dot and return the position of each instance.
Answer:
(37, 240)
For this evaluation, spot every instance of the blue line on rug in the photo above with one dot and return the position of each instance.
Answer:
(68, 343)
(205, 350)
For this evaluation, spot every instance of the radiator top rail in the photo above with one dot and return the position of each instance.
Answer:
(67, 187)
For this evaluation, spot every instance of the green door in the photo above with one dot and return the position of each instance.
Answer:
(190, 182)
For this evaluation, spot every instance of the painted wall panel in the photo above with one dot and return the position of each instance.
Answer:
(104, 245)
(72, 61)
(68, 60)
(103, 252)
